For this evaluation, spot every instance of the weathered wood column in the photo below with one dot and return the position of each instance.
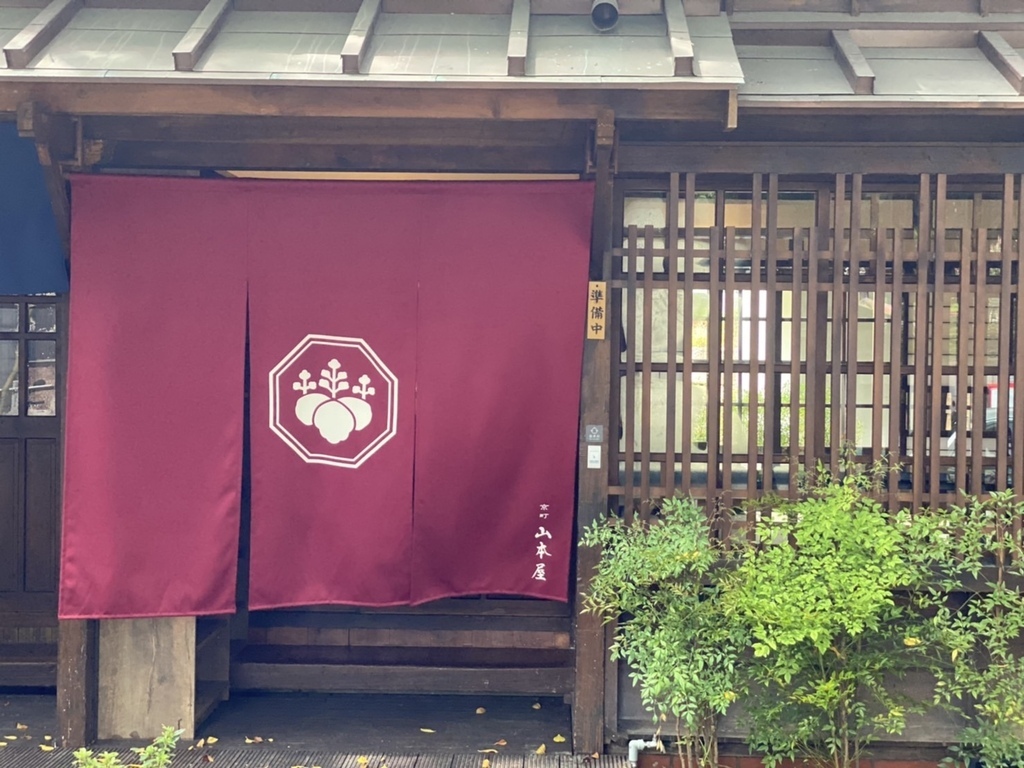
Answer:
(147, 677)
(76, 683)
(591, 649)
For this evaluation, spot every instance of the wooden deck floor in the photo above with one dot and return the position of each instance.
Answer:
(234, 757)
(336, 731)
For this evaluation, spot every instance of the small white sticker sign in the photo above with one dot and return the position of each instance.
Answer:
(593, 457)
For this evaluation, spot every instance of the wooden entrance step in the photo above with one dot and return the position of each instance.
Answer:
(401, 678)
(28, 665)
(461, 647)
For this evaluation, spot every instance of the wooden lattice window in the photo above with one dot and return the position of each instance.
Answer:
(768, 322)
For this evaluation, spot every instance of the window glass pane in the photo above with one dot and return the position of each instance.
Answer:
(42, 318)
(8, 378)
(42, 367)
(8, 317)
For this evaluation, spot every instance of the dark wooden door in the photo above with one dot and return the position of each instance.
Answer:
(31, 373)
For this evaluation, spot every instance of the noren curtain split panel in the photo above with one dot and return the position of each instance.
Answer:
(414, 360)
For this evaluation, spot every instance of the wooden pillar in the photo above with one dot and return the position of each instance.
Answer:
(76, 683)
(147, 677)
(591, 649)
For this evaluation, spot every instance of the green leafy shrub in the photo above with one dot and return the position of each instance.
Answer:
(660, 583)
(815, 620)
(982, 563)
(817, 593)
(155, 755)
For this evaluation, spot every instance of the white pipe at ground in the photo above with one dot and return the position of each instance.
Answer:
(634, 749)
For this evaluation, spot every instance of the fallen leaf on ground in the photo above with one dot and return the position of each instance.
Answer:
(21, 727)
(481, 711)
(558, 738)
(47, 738)
(428, 730)
(3, 743)
(208, 758)
(536, 705)
(11, 738)
(200, 744)
(501, 743)
(257, 739)
(596, 755)
(47, 747)
(488, 751)
(541, 749)
(486, 763)
(270, 740)
(248, 740)
(362, 759)
(211, 740)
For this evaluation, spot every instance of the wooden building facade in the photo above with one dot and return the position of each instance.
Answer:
(807, 217)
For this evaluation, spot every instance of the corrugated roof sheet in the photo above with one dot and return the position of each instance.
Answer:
(562, 51)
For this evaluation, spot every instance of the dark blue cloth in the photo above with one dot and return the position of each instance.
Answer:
(31, 254)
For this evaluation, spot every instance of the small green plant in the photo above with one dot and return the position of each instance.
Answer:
(979, 546)
(817, 593)
(659, 582)
(155, 755)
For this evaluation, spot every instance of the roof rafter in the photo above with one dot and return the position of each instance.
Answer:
(853, 62)
(1003, 57)
(27, 44)
(679, 37)
(358, 41)
(518, 38)
(199, 36)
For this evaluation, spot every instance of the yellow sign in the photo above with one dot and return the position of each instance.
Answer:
(597, 309)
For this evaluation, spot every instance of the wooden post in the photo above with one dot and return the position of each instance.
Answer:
(53, 136)
(591, 651)
(76, 683)
(147, 677)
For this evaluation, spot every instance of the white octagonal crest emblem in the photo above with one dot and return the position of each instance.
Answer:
(333, 400)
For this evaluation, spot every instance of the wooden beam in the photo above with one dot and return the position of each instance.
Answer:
(853, 63)
(796, 158)
(518, 38)
(343, 132)
(358, 40)
(53, 139)
(241, 156)
(77, 683)
(193, 45)
(396, 101)
(27, 44)
(1003, 57)
(679, 37)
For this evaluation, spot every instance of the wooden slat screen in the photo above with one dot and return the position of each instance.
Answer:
(769, 323)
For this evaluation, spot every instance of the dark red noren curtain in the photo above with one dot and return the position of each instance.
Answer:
(332, 464)
(472, 297)
(503, 281)
(154, 401)
(414, 364)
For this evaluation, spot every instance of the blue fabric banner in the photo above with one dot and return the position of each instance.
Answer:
(31, 255)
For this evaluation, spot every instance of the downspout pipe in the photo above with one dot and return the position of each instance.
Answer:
(638, 744)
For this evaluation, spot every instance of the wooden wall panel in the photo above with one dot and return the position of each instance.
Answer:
(42, 529)
(10, 516)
